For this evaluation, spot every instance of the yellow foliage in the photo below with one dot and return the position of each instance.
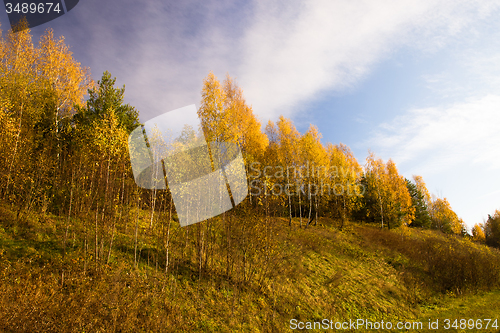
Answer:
(419, 182)
(478, 233)
(392, 196)
(444, 218)
(225, 116)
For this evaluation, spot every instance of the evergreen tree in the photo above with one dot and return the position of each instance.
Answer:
(103, 100)
(492, 229)
(422, 218)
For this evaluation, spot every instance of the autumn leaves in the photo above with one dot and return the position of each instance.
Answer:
(60, 154)
(305, 178)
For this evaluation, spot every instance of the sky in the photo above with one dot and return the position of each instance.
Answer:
(416, 81)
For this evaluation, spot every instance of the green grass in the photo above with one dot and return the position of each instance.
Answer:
(481, 306)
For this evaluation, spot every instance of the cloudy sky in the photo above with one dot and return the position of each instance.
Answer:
(416, 81)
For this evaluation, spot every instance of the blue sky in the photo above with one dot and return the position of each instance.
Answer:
(415, 81)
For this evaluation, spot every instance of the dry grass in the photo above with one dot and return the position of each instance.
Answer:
(447, 263)
(277, 274)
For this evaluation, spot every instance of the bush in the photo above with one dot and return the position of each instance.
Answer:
(451, 263)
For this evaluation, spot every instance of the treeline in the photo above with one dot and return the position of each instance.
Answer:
(300, 177)
(63, 155)
(58, 153)
(297, 176)
(488, 231)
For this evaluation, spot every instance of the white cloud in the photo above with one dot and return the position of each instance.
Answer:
(292, 55)
(456, 149)
(465, 132)
(471, 68)
(282, 52)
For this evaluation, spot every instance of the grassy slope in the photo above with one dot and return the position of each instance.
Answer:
(323, 273)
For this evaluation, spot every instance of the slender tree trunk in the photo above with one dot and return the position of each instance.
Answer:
(119, 217)
(200, 255)
(343, 213)
(96, 237)
(289, 199)
(153, 198)
(228, 243)
(153, 206)
(168, 237)
(104, 229)
(208, 245)
(14, 154)
(111, 240)
(85, 249)
(300, 206)
(69, 213)
(136, 230)
(316, 200)
(381, 209)
(310, 205)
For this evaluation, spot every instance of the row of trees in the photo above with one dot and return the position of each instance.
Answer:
(300, 177)
(41, 86)
(489, 230)
(67, 156)
(58, 153)
(63, 155)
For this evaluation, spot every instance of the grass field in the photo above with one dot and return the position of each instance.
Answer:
(313, 274)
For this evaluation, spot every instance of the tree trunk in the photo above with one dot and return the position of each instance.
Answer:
(69, 213)
(136, 230)
(15, 151)
(310, 204)
(168, 236)
(316, 210)
(381, 209)
(96, 237)
(119, 217)
(289, 200)
(300, 207)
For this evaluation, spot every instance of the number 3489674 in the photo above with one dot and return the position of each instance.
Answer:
(32, 8)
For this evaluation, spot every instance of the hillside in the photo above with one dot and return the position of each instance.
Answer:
(305, 274)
